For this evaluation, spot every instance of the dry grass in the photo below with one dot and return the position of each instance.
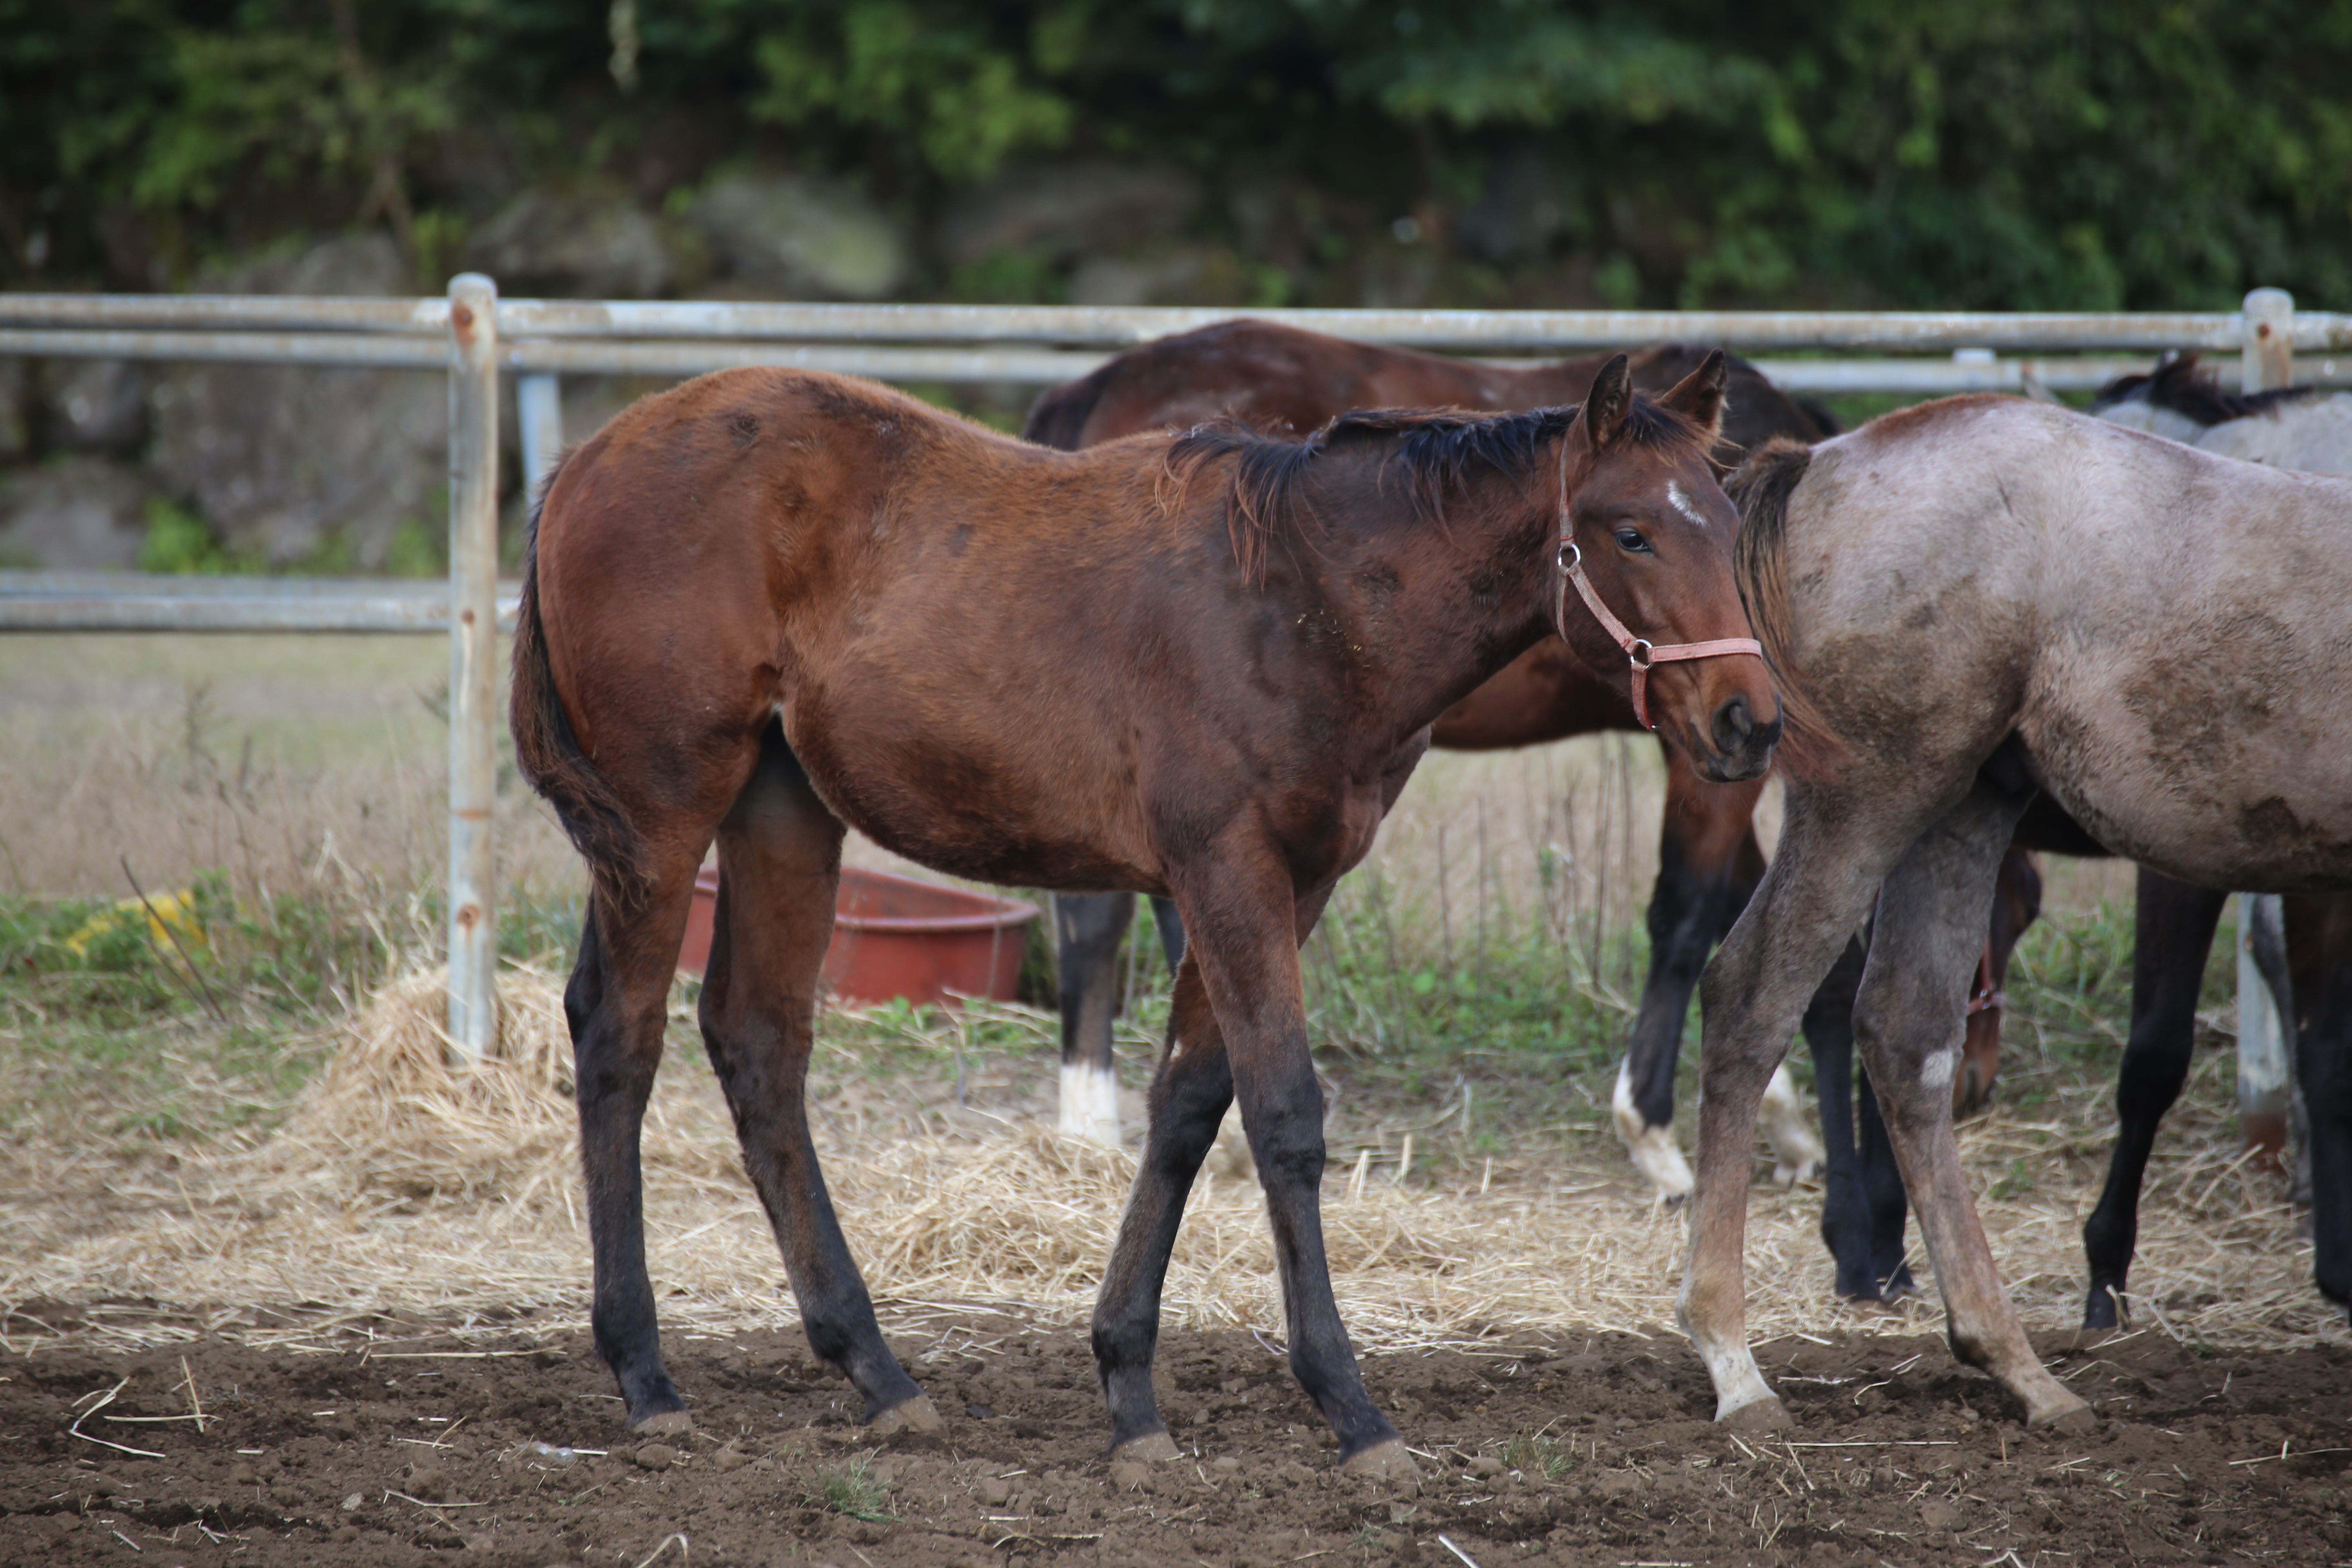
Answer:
(400, 1186)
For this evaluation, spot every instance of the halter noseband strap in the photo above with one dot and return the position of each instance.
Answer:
(1640, 652)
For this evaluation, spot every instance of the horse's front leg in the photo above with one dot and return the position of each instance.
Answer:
(1708, 864)
(1812, 901)
(1909, 1020)
(1238, 1026)
(1189, 1091)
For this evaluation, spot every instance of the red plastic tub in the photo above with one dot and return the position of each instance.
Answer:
(898, 936)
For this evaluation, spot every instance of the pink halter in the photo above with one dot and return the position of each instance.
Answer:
(1640, 652)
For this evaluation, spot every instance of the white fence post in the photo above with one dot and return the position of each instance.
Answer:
(2268, 362)
(473, 661)
(539, 409)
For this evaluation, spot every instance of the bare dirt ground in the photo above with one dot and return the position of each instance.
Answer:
(374, 1446)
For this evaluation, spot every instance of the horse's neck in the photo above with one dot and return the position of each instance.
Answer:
(1445, 602)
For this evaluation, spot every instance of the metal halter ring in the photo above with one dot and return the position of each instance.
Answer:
(1569, 555)
(1640, 651)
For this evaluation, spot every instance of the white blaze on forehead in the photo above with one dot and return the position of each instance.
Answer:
(1682, 504)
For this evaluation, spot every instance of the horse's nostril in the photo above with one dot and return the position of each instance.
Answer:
(1733, 722)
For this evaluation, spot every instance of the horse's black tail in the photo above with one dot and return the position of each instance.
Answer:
(549, 752)
(1059, 415)
(1760, 490)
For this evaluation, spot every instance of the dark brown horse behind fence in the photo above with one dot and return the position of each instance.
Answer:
(768, 604)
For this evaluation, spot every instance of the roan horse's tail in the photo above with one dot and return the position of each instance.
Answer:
(549, 752)
(1760, 490)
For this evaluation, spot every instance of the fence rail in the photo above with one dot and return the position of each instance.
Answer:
(474, 336)
(1116, 327)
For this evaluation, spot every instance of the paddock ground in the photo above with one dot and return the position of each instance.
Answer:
(377, 1309)
(342, 1309)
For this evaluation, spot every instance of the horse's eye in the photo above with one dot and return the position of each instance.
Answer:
(1630, 539)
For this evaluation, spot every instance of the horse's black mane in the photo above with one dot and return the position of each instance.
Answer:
(1437, 449)
(2185, 384)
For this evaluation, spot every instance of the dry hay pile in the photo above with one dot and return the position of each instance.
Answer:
(400, 1185)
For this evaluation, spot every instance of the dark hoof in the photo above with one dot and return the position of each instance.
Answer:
(1387, 1461)
(916, 1417)
(1152, 1447)
(2100, 1310)
(662, 1424)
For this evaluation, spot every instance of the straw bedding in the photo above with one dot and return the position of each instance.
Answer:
(400, 1185)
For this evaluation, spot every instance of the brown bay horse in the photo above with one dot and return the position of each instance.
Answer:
(769, 604)
(1277, 378)
(1968, 605)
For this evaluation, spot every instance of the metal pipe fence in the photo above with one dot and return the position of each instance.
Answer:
(474, 336)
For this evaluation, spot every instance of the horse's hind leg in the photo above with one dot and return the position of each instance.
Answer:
(2172, 930)
(1088, 931)
(1908, 1021)
(780, 863)
(616, 1006)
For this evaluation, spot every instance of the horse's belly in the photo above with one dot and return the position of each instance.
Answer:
(990, 812)
(2265, 807)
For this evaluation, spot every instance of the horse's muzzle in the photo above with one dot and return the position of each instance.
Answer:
(1738, 747)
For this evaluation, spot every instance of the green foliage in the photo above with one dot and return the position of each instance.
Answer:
(956, 82)
(1995, 153)
(179, 541)
(853, 1491)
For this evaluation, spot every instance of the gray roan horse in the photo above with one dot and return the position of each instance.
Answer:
(1964, 604)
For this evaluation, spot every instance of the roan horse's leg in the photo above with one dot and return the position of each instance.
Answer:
(616, 1003)
(779, 862)
(1237, 1025)
(1812, 901)
(1908, 1021)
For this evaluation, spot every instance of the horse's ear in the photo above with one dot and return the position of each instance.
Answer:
(1698, 396)
(1607, 404)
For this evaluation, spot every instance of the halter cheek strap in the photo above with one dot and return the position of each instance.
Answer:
(1640, 652)
(1988, 998)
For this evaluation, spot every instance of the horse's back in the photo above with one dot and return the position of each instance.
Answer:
(2313, 438)
(2164, 629)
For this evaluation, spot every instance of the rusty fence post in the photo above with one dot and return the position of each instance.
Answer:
(2268, 363)
(473, 661)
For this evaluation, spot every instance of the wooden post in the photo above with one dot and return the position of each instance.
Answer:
(473, 661)
(539, 409)
(2268, 363)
